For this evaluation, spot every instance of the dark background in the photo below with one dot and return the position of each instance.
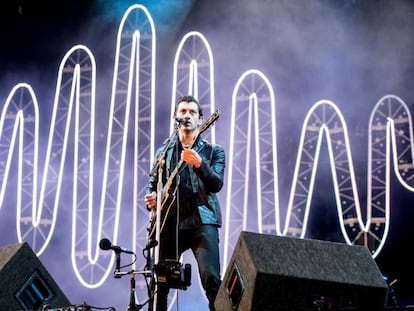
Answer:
(352, 52)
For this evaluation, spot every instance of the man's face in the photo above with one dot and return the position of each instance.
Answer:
(189, 112)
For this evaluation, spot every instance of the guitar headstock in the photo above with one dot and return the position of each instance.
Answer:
(213, 118)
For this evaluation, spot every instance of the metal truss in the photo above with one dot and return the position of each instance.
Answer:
(323, 118)
(252, 127)
(131, 114)
(252, 163)
(390, 138)
(19, 123)
(194, 74)
(72, 133)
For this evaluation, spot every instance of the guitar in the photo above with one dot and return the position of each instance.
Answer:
(169, 191)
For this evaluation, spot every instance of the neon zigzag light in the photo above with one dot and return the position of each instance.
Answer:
(75, 93)
(323, 118)
(194, 73)
(79, 64)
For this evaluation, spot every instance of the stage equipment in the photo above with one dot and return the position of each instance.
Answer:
(172, 274)
(268, 272)
(25, 284)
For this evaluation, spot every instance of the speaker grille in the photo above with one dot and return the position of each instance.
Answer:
(284, 273)
(25, 284)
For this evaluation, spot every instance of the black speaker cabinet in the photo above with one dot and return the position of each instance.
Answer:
(25, 284)
(268, 272)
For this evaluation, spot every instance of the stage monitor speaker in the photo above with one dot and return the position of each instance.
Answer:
(268, 272)
(25, 284)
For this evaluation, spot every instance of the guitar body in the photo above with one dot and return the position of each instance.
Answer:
(167, 202)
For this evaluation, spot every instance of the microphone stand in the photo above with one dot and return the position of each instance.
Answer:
(118, 274)
(117, 264)
(159, 170)
(150, 276)
(132, 306)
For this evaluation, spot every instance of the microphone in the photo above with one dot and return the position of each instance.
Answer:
(181, 120)
(105, 245)
(151, 243)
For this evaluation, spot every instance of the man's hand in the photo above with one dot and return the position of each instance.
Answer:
(151, 199)
(191, 157)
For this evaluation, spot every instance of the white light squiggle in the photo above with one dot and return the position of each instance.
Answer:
(390, 134)
(20, 119)
(75, 94)
(36, 222)
(193, 74)
(323, 117)
(252, 96)
(133, 87)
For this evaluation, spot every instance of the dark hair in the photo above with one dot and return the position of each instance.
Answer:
(188, 99)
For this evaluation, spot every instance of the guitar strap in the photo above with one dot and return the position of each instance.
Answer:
(168, 160)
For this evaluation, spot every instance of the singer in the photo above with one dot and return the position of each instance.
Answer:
(194, 214)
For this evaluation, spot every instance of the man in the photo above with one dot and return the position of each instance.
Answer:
(194, 217)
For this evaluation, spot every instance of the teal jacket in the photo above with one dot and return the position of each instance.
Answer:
(206, 180)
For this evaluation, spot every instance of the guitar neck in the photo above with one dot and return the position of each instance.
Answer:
(172, 176)
(178, 166)
(203, 127)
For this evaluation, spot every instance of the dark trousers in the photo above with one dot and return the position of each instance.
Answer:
(204, 243)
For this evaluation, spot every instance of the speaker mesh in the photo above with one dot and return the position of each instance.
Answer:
(25, 284)
(284, 273)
